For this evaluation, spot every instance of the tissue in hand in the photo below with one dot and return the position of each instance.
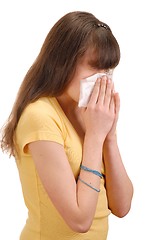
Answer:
(86, 87)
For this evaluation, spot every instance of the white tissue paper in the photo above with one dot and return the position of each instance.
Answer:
(87, 85)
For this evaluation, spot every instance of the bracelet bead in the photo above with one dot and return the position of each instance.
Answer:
(91, 170)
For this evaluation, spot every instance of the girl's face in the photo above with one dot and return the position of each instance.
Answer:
(83, 70)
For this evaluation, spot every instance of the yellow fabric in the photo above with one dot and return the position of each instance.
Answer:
(45, 120)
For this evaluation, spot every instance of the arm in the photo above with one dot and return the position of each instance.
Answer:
(75, 201)
(118, 185)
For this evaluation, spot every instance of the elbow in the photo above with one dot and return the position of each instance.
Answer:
(121, 212)
(122, 208)
(81, 227)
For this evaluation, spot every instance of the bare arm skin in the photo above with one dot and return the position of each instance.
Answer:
(118, 185)
(75, 201)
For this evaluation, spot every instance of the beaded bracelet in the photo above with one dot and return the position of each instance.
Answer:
(95, 189)
(91, 170)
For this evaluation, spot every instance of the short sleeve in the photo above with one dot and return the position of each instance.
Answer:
(38, 122)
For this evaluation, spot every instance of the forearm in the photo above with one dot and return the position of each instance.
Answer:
(118, 185)
(87, 197)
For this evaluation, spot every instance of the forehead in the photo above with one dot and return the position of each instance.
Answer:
(83, 65)
(87, 58)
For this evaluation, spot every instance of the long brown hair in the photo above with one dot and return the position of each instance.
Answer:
(66, 43)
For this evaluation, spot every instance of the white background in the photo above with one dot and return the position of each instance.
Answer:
(136, 25)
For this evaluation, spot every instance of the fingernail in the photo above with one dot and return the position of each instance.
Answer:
(109, 81)
(104, 77)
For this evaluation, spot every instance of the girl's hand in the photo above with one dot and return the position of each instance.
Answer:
(112, 133)
(100, 114)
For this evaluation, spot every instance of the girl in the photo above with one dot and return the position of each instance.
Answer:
(68, 159)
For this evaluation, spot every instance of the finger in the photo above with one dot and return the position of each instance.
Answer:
(117, 103)
(95, 92)
(102, 91)
(113, 87)
(108, 93)
(115, 107)
(112, 104)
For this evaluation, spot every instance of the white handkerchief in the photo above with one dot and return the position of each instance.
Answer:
(86, 87)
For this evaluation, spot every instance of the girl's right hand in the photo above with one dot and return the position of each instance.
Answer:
(99, 114)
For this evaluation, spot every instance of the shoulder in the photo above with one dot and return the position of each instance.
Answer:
(41, 114)
(42, 105)
(43, 108)
(40, 121)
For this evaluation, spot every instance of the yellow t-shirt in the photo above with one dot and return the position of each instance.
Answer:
(45, 120)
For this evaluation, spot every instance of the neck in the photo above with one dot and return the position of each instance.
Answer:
(67, 103)
(72, 111)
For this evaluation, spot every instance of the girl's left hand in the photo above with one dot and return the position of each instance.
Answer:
(112, 133)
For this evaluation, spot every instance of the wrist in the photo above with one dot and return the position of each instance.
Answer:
(94, 139)
(92, 152)
(111, 139)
